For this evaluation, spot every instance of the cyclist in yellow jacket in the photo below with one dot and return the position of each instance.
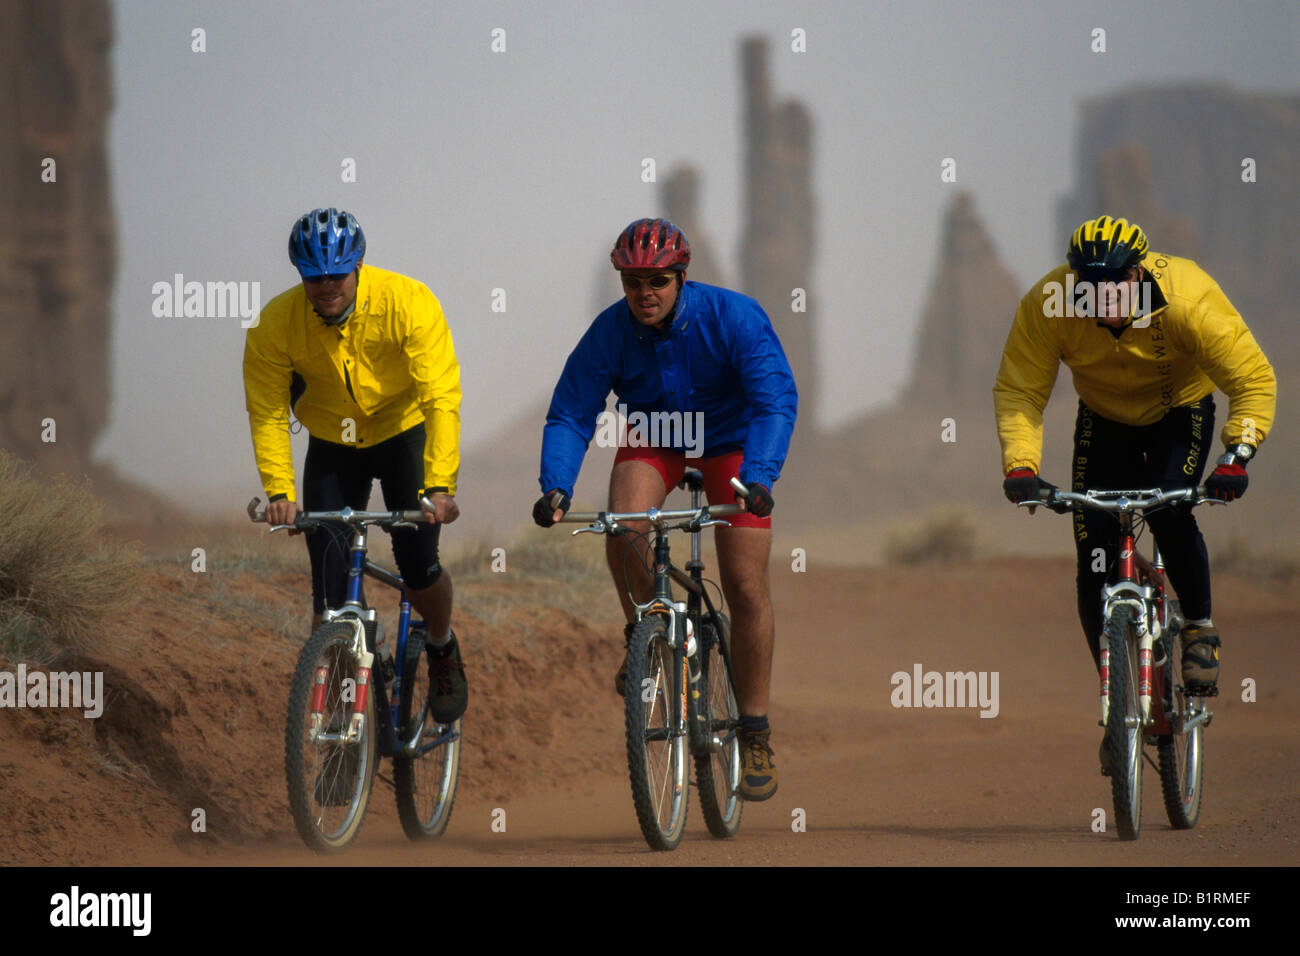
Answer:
(1147, 337)
(369, 361)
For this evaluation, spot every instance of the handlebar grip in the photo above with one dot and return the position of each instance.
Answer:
(586, 517)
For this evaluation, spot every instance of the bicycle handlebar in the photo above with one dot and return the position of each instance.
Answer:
(1120, 501)
(307, 520)
(656, 516)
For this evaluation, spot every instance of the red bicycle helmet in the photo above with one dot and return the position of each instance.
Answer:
(651, 244)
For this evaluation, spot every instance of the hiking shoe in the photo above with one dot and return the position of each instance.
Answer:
(448, 690)
(1107, 764)
(620, 679)
(1201, 660)
(758, 778)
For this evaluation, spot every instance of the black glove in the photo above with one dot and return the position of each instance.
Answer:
(1227, 482)
(548, 504)
(758, 501)
(1022, 484)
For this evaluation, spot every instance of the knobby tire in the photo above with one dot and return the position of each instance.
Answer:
(656, 761)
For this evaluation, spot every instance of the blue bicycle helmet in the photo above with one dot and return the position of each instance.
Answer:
(326, 242)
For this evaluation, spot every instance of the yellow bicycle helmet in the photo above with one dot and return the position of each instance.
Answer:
(1105, 247)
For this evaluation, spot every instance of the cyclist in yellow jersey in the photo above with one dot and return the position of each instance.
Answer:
(1147, 338)
(365, 360)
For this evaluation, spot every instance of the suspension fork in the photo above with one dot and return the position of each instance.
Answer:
(677, 677)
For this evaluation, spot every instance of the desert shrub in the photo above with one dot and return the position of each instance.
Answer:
(58, 579)
(943, 535)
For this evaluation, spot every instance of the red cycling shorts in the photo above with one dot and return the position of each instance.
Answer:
(718, 472)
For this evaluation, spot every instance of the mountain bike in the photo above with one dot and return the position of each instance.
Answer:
(1143, 700)
(681, 689)
(354, 701)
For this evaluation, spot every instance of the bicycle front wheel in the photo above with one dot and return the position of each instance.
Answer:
(656, 756)
(329, 777)
(1180, 755)
(717, 768)
(1124, 724)
(425, 779)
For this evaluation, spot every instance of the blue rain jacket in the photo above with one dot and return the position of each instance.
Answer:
(720, 356)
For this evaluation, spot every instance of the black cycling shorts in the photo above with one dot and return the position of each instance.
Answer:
(337, 476)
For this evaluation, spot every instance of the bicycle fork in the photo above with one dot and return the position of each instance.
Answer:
(360, 694)
(1140, 598)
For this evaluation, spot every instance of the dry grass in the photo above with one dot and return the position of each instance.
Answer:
(58, 581)
(240, 549)
(538, 554)
(944, 535)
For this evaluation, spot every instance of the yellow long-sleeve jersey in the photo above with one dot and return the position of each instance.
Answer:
(1183, 340)
(388, 368)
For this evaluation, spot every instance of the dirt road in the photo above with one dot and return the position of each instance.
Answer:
(863, 782)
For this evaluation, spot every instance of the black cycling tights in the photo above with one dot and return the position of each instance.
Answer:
(335, 476)
(1167, 454)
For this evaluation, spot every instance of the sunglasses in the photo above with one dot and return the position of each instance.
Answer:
(661, 281)
(1104, 276)
(332, 277)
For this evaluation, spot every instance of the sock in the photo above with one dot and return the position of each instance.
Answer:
(442, 643)
(750, 725)
(1202, 622)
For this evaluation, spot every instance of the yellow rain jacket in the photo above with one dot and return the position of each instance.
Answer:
(1183, 340)
(386, 369)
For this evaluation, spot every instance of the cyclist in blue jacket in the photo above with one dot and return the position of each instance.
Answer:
(699, 373)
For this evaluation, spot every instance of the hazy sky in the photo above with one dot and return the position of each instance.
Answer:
(478, 170)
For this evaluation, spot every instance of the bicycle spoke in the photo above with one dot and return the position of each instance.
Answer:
(656, 757)
(329, 779)
(426, 780)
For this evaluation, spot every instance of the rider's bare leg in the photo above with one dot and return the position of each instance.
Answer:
(742, 565)
(633, 486)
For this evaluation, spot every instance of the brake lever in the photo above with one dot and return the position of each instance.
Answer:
(596, 527)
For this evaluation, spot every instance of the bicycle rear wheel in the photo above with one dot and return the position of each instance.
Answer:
(717, 770)
(656, 758)
(329, 780)
(1124, 724)
(426, 781)
(1180, 755)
